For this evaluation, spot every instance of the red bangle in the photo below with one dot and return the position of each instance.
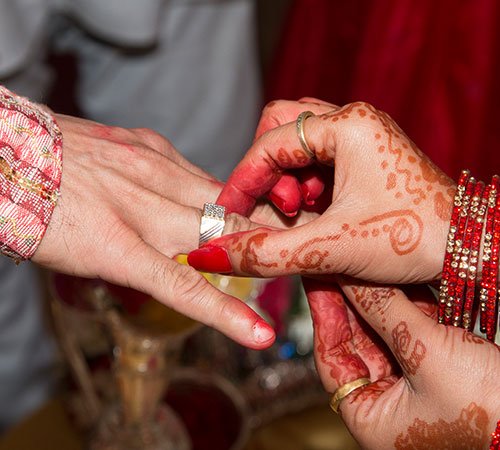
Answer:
(477, 233)
(456, 274)
(495, 438)
(487, 256)
(450, 244)
(465, 264)
(492, 302)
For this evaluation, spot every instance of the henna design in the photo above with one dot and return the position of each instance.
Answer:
(409, 360)
(249, 259)
(406, 231)
(323, 157)
(372, 391)
(300, 156)
(369, 297)
(471, 338)
(442, 206)
(308, 256)
(469, 431)
(397, 144)
(405, 234)
(284, 159)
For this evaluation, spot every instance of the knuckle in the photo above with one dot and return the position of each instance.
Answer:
(179, 282)
(153, 139)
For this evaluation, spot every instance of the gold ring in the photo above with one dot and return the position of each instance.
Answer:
(343, 391)
(303, 116)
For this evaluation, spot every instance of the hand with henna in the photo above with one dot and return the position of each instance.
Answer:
(384, 207)
(129, 203)
(432, 387)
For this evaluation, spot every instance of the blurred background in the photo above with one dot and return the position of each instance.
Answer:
(183, 68)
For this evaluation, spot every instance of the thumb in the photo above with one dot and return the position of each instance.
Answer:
(188, 292)
(263, 252)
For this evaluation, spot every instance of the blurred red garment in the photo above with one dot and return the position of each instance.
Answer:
(432, 65)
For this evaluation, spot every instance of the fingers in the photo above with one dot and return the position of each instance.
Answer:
(277, 150)
(287, 195)
(311, 185)
(170, 180)
(291, 191)
(185, 290)
(336, 358)
(399, 322)
(169, 227)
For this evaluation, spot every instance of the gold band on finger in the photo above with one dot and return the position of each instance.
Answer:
(303, 116)
(343, 391)
(212, 222)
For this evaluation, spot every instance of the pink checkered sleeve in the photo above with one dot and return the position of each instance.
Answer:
(30, 173)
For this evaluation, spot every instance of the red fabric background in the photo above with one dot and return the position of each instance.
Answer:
(433, 65)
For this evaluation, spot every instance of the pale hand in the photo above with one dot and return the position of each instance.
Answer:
(129, 203)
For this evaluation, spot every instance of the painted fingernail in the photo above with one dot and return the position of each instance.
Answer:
(210, 258)
(306, 195)
(281, 205)
(262, 332)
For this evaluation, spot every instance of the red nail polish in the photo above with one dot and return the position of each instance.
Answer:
(281, 205)
(210, 258)
(262, 332)
(306, 196)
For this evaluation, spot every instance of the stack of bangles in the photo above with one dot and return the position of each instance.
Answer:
(475, 220)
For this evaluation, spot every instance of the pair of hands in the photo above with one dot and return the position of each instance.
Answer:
(385, 220)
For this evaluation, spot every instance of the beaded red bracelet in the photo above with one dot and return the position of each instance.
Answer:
(466, 265)
(476, 209)
(495, 438)
(456, 272)
(467, 320)
(492, 301)
(450, 244)
(486, 287)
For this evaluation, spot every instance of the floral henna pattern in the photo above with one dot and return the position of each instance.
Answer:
(410, 359)
(469, 431)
